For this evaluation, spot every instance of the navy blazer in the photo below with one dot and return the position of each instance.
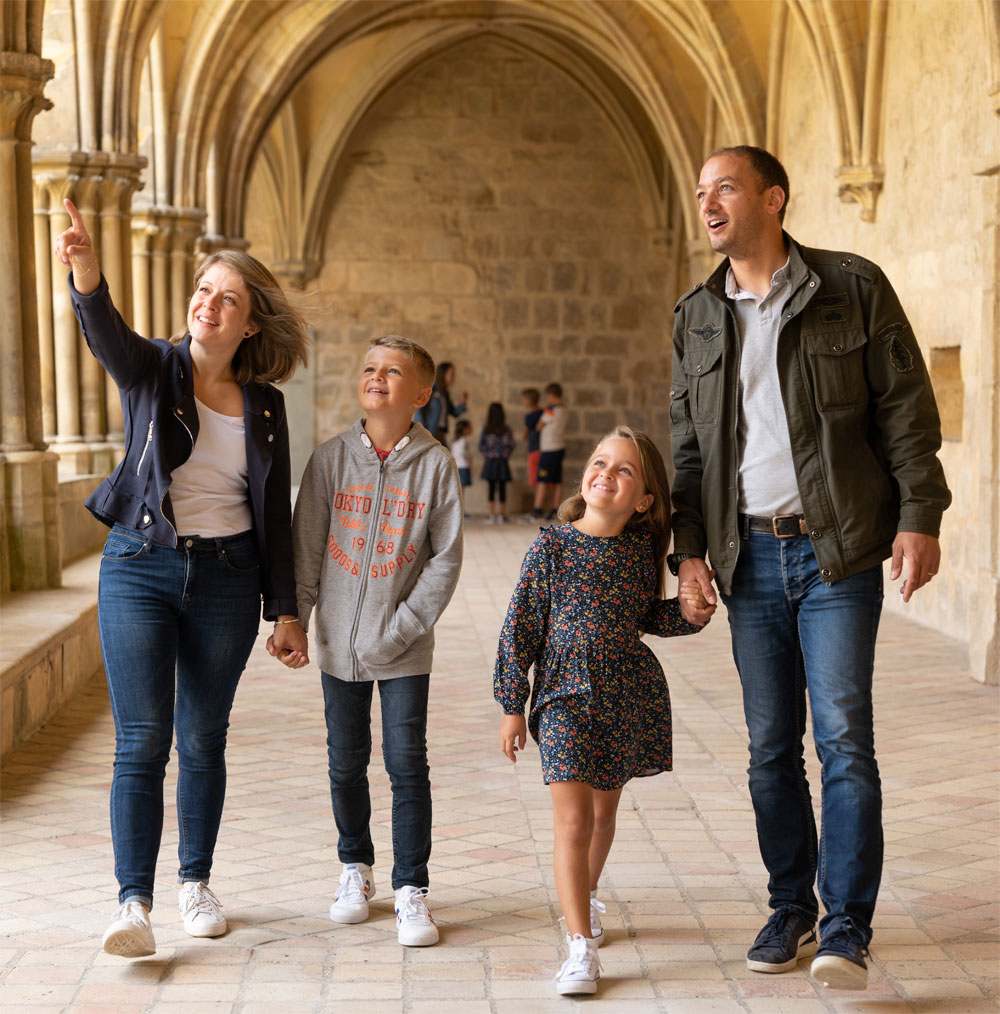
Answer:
(156, 383)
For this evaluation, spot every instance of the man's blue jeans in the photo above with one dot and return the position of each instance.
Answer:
(177, 626)
(792, 635)
(404, 752)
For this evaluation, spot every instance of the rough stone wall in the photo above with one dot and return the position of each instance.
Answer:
(935, 237)
(484, 208)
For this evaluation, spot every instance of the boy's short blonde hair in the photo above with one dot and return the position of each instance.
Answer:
(421, 357)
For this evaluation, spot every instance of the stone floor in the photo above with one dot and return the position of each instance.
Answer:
(684, 886)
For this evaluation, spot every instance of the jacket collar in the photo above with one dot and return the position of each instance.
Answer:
(799, 273)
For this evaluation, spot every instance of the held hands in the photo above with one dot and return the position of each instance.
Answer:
(289, 645)
(691, 594)
(922, 553)
(696, 606)
(75, 249)
(513, 735)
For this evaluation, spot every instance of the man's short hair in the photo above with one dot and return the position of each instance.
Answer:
(532, 394)
(554, 388)
(769, 170)
(421, 357)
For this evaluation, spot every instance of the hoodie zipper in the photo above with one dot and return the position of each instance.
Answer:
(149, 440)
(369, 549)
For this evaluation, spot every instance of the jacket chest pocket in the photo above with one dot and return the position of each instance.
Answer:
(703, 369)
(835, 360)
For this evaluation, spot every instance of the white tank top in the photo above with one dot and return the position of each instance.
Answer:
(209, 491)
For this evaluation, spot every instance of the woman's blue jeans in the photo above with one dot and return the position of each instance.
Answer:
(177, 626)
(404, 752)
(793, 635)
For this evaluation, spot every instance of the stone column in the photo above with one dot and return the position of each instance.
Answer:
(29, 494)
(188, 227)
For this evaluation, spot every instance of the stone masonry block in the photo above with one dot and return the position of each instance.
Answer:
(567, 344)
(575, 370)
(428, 310)
(536, 278)
(529, 370)
(477, 100)
(563, 277)
(605, 345)
(523, 344)
(39, 691)
(451, 277)
(627, 315)
(600, 421)
(368, 276)
(590, 397)
(514, 313)
(546, 313)
(408, 276)
(474, 311)
(572, 313)
(8, 708)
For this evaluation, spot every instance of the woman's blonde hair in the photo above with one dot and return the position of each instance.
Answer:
(271, 355)
(655, 520)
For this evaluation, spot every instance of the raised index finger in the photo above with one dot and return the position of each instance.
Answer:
(74, 215)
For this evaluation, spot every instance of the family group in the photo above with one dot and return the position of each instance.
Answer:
(805, 442)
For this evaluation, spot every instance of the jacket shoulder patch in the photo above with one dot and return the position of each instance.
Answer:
(859, 266)
(900, 357)
(706, 332)
(891, 330)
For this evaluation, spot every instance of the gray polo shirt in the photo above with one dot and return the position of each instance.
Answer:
(767, 476)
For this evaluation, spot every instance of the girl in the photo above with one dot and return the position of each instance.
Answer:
(460, 452)
(600, 709)
(495, 444)
(201, 534)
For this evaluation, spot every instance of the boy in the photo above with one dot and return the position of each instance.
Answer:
(530, 397)
(552, 430)
(378, 546)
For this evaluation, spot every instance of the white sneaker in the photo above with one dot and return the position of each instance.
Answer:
(200, 909)
(502, 519)
(597, 909)
(413, 920)
(489, 520)
(355, 888)
(581, 970)
(130, 935)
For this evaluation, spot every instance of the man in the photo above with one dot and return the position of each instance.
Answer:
(805, 436)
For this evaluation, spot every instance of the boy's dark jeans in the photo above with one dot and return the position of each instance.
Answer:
(404, 752)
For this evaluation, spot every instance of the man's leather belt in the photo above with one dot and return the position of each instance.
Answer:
(784, 526)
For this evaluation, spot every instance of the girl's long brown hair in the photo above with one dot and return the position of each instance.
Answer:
(655, 520)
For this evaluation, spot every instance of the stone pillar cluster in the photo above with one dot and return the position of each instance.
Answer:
(29, 504)
(80, 407)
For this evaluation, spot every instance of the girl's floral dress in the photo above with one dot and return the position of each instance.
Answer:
(600, 707)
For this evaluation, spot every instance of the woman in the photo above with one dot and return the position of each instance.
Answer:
(200, 530)
(434, 415)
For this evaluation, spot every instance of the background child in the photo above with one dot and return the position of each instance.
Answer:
(530, 396)
(552, 441)
(495, 444)
(378, 546)
(600, 708)
(460, 452)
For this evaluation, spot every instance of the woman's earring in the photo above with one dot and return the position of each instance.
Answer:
(248, 334)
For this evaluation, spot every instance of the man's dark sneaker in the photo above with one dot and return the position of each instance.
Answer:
(788, 936)
(840, 960)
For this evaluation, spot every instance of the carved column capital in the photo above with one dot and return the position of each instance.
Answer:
(861, 184)
(22, 78)
(297, 273)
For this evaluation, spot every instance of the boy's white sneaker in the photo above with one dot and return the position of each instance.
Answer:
(581, 970)
(414, 924)
(200, 910)
(355, 888)
(130, 934)
(597, 909)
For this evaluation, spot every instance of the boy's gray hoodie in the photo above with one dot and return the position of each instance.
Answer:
(378, 549)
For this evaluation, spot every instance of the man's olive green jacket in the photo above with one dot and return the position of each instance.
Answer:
(861, 414)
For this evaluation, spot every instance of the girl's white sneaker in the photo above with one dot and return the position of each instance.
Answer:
(581, 970)
(597, 909)
(200, 910)
(355, 888)
(130, 934)
(414, 924)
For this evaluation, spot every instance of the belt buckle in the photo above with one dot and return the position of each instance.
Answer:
(774, 526)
